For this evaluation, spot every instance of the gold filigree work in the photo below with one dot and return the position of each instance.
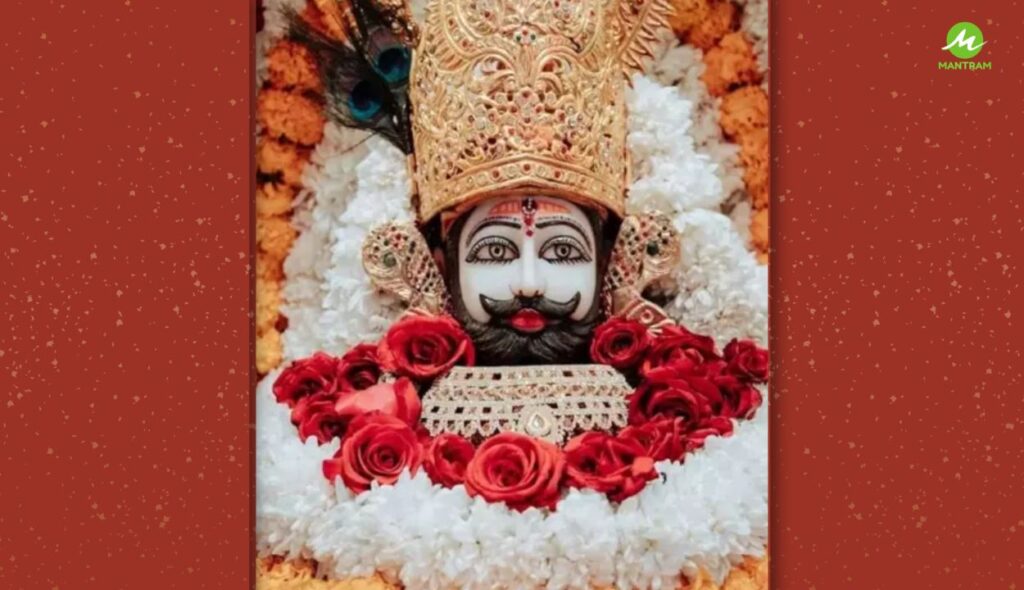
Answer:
(646, 252)
(517, 96)
(545, 401)
(398, 260)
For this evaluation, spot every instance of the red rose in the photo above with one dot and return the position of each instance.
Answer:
(739, 398)
(713, 426)
(518, 470)
(746, 360)
(310, 376)
(662, 438)
(675, 343)
(359, 368)
(423, 347)
(683, 390)
(446, 459)
(619, 467)
(398, 399)
(378, 448)
(315, 416)
(620, 343)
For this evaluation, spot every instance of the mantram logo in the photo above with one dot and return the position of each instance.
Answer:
(964, 40)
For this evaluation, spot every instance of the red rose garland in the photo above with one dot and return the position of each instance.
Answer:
(676, 343)
(315, 417)
(740, 399)
(446, 458)
(360, 368)
(681, 390)
(617, 466)
(686, 391)
(398, 400)
(315, 375)
(379, 448)
(518, 470)
(423, 347)
(620, 343)
(663, 439)
(746, 360)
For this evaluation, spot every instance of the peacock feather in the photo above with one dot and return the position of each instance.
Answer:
(366, 75)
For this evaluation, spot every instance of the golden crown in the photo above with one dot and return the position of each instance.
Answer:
(516, 96)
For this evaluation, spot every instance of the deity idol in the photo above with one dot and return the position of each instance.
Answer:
(520, 166)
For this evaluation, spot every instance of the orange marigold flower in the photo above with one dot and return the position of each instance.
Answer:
(754, 155)
(268, 351)
(274, 198)
(268, 300)
(274, 236)
(291, 66)
(744, 110)
(730, 64)
(719, 21)
(686, 14)
(282, 159)
(268, 269)
(291, 116)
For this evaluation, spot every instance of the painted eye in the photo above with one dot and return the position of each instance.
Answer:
(493, 250)
(563, 250)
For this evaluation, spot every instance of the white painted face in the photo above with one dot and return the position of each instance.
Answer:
(526, 247)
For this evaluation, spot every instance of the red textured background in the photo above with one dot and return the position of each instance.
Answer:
(124, 251)
(899, 238)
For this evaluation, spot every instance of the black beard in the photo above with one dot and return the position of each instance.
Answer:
(562, 341)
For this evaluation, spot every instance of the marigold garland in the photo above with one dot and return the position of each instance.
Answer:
(278, 574)
(289, 112)
(732, 73)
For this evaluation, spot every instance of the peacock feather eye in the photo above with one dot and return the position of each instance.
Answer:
(365, 101)
(393, 64)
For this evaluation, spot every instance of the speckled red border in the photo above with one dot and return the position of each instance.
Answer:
(125, 256)
(896, 434)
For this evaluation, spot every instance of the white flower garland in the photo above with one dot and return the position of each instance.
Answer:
(755, 24)
(682, 66)
(670, 175)
(331, 305)
(426, 536)
(723, 290)
(274, 27)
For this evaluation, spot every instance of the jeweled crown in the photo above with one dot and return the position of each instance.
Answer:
(516, 96)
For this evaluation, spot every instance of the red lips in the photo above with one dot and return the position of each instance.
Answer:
(528, 321)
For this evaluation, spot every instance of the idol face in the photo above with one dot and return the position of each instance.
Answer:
(526, 286)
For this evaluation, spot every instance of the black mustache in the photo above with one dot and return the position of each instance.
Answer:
(501, 309)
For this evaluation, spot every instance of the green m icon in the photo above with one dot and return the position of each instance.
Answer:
(964, 40)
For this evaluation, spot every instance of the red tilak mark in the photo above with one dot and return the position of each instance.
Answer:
(529, 207)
